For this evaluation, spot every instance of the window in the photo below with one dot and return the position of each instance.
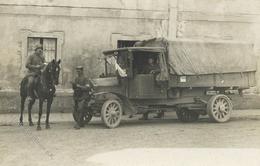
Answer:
(141, 64)
(49, 47)
(125, 43)
(116, 63)
(52, 43)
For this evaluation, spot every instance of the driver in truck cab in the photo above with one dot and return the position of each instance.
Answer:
(151, 67)
(83, 88)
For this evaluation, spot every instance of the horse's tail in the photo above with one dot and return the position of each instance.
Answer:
(23, 87)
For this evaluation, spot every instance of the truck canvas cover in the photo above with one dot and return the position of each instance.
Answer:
(189, 57)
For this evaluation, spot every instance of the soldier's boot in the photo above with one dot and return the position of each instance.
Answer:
(144, 117)
(76, 126)
(30, 88)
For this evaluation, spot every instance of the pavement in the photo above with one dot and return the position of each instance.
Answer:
(154, 142)
(12, 119)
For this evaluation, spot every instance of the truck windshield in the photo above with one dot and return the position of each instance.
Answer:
(115, 65)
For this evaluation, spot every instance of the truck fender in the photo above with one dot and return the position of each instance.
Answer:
(128, 108)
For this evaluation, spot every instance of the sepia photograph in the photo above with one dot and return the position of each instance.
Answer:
(130, 83)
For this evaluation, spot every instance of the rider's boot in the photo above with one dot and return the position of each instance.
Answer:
(30, 88)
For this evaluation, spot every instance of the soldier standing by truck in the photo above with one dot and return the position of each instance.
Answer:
(82, 87)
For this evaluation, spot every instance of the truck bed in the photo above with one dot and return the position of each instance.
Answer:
(241, 80)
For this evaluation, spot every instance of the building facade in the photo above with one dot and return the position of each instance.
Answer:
(77, 31)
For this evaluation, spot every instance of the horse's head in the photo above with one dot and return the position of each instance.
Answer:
(53, 70)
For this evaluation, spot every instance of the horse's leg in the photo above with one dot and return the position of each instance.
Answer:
(30, 105)
(49, 102)
(22, 109)
(40, 114)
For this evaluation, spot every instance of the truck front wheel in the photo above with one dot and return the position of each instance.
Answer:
(111, 113)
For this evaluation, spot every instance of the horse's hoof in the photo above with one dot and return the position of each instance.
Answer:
(31, 124)
(39, 128)
(47, 126)
(21, 124)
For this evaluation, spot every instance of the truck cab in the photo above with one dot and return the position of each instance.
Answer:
(130, 66)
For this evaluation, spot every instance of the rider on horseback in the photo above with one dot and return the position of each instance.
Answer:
(34, 64)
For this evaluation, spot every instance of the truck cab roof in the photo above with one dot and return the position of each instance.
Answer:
(137, 49)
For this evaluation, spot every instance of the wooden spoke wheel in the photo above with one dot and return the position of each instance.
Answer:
(186, 115)
(86, 115)
(219, 108)
(111, 113)
(85, 119)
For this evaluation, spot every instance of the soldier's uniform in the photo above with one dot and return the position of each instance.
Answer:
(82, 87)
(149, 67)
(34, 64)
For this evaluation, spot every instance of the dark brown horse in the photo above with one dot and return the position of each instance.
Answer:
(44, 90)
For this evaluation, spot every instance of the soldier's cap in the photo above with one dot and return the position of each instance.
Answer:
(79, 68)
(38, 46)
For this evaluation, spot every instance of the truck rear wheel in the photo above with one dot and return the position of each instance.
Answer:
(111, 113)
(219, 108)
(186, 115)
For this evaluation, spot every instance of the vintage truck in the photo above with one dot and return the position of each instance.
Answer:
(195, 78)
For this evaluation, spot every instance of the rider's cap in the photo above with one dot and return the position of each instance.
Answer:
(79, 68)
(38, 46)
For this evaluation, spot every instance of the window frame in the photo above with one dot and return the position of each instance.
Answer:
(25, 34)
(42, 43)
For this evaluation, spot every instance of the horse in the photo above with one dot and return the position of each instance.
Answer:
(44, 90)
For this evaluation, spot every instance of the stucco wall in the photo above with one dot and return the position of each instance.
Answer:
(221, 20)
(88, 27)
